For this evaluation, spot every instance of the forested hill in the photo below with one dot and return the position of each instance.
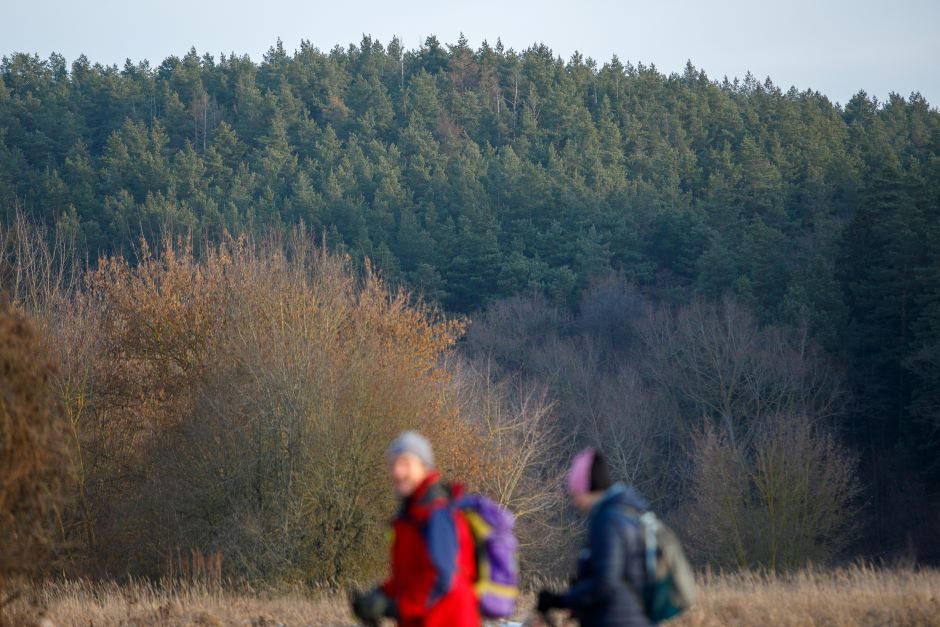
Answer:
(473, 174)
(476, 174)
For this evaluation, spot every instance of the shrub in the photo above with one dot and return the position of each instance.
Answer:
(785, 499)
(34, 456)
(241, 402)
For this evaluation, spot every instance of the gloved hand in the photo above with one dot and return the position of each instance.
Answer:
(372, 605)
(549, 600)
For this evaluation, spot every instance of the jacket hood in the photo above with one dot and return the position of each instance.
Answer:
(620, 495)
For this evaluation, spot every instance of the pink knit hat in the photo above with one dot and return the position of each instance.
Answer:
(579, 475)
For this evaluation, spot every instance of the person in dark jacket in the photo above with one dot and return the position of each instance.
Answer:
(611, 574)
(433, 565)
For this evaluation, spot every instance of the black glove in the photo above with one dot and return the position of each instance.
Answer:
(548, 600)
(372, 605)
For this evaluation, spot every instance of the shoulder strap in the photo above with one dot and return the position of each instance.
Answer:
(646, 523)
(649, 525)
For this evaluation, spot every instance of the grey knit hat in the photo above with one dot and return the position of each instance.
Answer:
(414, 443)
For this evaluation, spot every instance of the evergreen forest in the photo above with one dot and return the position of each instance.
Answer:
(534, 197)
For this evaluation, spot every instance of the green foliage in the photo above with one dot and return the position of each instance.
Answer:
(483, 171)
(473, 175)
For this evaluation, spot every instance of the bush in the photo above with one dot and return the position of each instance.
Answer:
(784, 500)
(239, 402)
(34, 455)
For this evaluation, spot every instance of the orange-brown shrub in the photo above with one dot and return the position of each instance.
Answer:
(34, 460)
(249, 395)
(238, 402)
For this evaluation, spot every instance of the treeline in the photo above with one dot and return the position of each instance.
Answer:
(476, 175)
(472, 174)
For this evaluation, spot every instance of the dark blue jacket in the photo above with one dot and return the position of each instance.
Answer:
(611, 567)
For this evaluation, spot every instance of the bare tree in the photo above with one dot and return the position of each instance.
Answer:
(522, 456)
(39, 268)
(788, 498)
(721, 364)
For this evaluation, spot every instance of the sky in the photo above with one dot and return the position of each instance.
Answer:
(837, 47)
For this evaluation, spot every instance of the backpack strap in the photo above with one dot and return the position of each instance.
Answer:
(645, 522)
(650, 525)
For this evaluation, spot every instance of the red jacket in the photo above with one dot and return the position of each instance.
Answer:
(433, 562)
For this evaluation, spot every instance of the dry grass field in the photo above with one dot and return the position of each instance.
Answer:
(85, 604)
(853, 596)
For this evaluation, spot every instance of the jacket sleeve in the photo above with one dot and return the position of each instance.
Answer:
(607, 565)
(442, 549)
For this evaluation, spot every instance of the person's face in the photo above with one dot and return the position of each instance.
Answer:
(583, 502)
(407, 472)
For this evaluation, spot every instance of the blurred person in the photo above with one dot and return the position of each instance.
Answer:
(611, 574)
(433, 565)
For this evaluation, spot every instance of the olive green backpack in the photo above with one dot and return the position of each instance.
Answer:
(670, 583)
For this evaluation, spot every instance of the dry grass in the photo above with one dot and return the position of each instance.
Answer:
(84, 604)
(853, 596)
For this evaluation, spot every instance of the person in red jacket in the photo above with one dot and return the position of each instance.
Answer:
(433, 566)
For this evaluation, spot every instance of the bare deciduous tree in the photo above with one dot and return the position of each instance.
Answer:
(721, 364)
(787, 498)
(523, 462)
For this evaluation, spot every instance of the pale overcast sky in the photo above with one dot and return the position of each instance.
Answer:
(835, 46)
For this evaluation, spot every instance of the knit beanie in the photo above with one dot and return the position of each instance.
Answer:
(588, 473)
(414, 443)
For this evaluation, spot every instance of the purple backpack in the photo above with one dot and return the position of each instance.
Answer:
(497, 555)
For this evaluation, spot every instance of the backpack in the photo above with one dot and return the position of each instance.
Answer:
(670, 583)
(497, 555)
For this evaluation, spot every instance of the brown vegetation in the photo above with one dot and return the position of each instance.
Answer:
(34, 456)
(238, 401)
(242, 402)
(725, 423)
(854, 596)
(858, 596)
(83, 603)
